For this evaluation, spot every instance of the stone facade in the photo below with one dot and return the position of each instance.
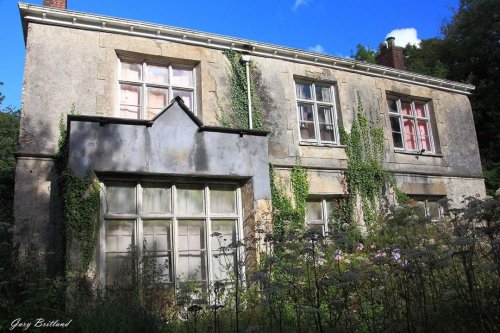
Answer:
(72, 59)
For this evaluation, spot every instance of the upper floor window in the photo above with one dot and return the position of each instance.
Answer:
(410, 125)
(147, 88)
(316, 112)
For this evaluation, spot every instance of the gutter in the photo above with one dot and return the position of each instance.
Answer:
(78, 20)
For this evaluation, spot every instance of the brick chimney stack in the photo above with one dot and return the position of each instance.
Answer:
(55, 3)
(391, 55)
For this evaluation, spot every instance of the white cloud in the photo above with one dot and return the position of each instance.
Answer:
(317, 48)
(405, 36)
(299, 3)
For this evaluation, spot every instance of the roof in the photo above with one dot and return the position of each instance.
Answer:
(79, 20)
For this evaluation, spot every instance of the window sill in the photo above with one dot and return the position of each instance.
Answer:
(415, 153)
(321, 145)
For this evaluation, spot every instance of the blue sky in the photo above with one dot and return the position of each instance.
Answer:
(328, 26)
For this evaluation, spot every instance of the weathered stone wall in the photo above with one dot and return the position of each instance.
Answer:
(72, 66)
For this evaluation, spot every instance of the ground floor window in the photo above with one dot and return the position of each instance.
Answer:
(318, 213)
(433, 206)
(187, 232)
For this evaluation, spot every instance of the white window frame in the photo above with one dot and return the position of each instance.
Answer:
(315, 103)
(143, 84)
(325, 214)
(399, 115)
(173, 217)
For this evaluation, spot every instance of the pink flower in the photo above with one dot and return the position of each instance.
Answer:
(360, 247)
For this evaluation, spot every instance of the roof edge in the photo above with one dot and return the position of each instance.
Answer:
(85, 21)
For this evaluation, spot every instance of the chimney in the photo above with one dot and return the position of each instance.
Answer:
(391, 55)
(55, 3)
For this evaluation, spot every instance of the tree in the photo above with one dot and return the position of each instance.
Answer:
(364, 53)
(430, 58)
(473, 49)
(9, 131)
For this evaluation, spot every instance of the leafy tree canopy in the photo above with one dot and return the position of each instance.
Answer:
(9, 130)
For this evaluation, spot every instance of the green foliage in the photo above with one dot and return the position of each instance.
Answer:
(429, 58)
(364, 53)
(9, 132)
(238, 115)
(289, 213)
(365, 177)
(81, 202)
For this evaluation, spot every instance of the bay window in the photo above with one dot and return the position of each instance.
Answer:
(316, 112)
(410, 125)
(188, 231)
(146, 88)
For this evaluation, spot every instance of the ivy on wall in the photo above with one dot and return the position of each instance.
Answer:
(81, 203)
(365, 178)
(237, 117)
(289, 213)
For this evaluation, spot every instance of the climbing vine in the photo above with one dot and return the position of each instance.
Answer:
(365, 178)
(289, 213)
(237, 117)
(81, 202)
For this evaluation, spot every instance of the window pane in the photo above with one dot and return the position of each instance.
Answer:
(187, 97)
(307, 131)
(157, 74)
(157, 101)
(155, 200)
(120, 199)
(156, 235)
(303, 91)
(223, 255)
(192, 257)
(406, 108)
(420, 109)
(191, 235)
(410, 137)
(397, 139)
(433, 209)
(182, 77)
(119, 270)
(325, 114)
(223, 201)
(424, 135)
(223, 233)
(190, 201)
(131, 71)
(130, 101)
(393, 106)
(314, 212)
(323, 94)
(317, 228)
(157, 243)
(119, 235)
(306, 112)
(396, 132)
(326, 132)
